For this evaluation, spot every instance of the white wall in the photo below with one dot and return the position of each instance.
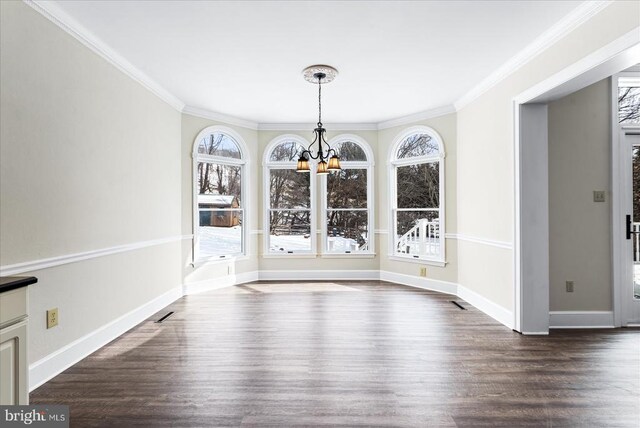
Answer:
(486, 156)
(88, 162)
(579, 228)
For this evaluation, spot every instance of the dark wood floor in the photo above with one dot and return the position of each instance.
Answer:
(348, 354)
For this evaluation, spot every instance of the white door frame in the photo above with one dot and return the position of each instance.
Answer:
(618, 55)
(620, 245)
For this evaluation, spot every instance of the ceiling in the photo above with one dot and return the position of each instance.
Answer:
(244, 58)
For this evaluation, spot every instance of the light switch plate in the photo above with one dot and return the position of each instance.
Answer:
(598, 196)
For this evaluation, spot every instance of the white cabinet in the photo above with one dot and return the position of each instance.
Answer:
(14, 385)
(13, 364)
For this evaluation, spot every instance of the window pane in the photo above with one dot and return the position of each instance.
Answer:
(350, 151)
(418, 186)
(347, 231)
(219, 145)
(418, 233)
(289, 189)
(417, 145)
(347, 188)
(219, 232)
(290, 231)
(219, 186)
(287, 151)
(629, 104)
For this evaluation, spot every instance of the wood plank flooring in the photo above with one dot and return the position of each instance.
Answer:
(343, 353)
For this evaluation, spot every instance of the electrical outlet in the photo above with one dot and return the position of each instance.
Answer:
(52, 317)
(598, 196)
(423, 271)
(569, 285)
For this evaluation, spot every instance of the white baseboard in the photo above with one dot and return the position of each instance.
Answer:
(495, 311)
(216, 283)
(286, 275)
(56, 362)
(581, 319)
(419, 282)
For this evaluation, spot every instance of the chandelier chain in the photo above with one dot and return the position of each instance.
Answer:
(319, 101)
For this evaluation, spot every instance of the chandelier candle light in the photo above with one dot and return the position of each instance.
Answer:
(319, 74)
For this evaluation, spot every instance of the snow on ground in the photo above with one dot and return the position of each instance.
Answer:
(216, 241)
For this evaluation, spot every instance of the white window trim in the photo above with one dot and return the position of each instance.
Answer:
(267, 166)
(246, 198)
(369, 166)
(393, 164)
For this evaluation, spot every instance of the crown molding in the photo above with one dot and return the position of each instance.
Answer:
(220, 117)
(56, 15)
(566, 25)
(311, 126)
(416, 117)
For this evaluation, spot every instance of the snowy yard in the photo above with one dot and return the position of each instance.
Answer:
(216, 241)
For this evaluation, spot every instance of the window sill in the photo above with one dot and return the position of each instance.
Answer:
(348, 255)
(218, 260)
(290, 256)
(431, 262)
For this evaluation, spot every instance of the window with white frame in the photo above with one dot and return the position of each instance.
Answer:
(219, 196)
(348, 205)
(417, 200)
(289, 219)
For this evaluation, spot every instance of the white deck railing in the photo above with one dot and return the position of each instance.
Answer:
(423, 239)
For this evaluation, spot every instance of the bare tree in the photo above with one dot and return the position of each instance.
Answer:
(628, 104)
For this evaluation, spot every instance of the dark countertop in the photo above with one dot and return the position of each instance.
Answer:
(8, 283)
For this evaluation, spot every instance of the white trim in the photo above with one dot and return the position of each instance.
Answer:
(495, 311)
(245, 174)
(361, 255)
(311, 126)
(220, 117)
(337, 275)
(417, 117)
(266, 197)
(220, 260)
(416, 260)
(294, 255)
(621, 52)
(34, 265)
(196, 287)
(392, 166)
(368, 165)
(552, 35)
(381, 231)
(595, 59)
(618, 248)
(581, 319)
(58, 361)
(60, 18)
(419, 282)
(478, 240)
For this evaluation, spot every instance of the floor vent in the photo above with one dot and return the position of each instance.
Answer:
(459, 305)
(164, 317)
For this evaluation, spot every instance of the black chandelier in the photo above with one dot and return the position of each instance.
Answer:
(327, 157)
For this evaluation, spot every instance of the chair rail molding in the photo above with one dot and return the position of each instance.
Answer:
(34, 265)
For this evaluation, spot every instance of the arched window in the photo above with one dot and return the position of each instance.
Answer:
(289, 223)
(219, 180)
(417, 195)
(348, 199)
